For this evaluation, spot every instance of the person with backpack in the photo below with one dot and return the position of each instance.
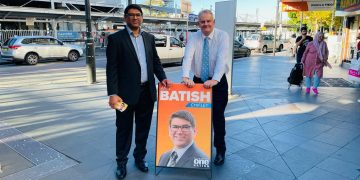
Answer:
(315, 57)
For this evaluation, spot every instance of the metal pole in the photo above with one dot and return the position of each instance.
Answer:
(129, 2)
(150, 8)
(276, 23)
(90, 58)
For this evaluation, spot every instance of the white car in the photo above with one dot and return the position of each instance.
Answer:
(263, 43)
(169, 48)
(30, 49)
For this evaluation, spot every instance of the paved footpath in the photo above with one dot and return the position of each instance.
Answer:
(53, 125)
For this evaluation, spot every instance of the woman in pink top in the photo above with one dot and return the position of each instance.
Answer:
(314, 59)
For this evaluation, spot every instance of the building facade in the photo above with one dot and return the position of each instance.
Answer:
(350, 11)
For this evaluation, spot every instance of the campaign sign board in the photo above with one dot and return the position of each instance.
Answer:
(184, 127)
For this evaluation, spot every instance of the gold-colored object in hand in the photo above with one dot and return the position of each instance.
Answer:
(121, 106)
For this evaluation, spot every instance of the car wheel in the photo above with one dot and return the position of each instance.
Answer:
(248, 53)
(31, 58)
(281, 47)
(264, 49)
(73, 56)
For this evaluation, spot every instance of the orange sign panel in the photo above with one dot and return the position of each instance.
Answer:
(325, 5)
(184, 127)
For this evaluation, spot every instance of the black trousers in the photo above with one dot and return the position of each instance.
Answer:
(298, 57)
(124, 127)
(219, 102)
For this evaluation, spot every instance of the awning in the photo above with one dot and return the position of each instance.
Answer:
(306, 5)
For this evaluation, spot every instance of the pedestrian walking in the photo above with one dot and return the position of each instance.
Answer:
(206, 55)
(181, 37)
(301, 42)
(314, 59)
(132, 62)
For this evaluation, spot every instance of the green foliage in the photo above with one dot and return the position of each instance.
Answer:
(314, 19)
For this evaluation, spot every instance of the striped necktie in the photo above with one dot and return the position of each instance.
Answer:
(205, 61)
(173, 158)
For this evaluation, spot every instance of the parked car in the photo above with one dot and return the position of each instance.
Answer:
(169, 48)
(30, 49)
(241, 50)
(263, 43)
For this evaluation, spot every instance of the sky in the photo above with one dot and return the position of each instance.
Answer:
(246, 9)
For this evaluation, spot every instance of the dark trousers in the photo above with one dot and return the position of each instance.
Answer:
(298, 57)
(219, 102)
(124, 122)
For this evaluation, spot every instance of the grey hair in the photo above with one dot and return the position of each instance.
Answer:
(206, 11)
(186, 115)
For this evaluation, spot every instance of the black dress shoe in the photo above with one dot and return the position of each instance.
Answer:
(121, 171)
(142, 165)
(219, 159)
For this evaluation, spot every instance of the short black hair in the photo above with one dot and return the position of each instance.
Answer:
(132, 6)
(304, 28)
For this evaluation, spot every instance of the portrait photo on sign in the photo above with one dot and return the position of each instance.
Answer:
(184, 127)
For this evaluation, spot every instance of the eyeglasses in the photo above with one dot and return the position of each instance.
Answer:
(134, 15)
(184, 128)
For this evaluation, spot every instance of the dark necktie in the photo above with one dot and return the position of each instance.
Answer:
(173, 158)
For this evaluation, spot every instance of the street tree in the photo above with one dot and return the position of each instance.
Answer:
(315, 20)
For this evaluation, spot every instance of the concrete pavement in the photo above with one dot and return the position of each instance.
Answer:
(53, 125)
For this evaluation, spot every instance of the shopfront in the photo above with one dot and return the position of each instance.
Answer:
(350, 11)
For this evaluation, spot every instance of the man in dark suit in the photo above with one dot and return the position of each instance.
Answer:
(185, 154)
(132, 62)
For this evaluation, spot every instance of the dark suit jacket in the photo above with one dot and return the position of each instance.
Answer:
(123, 70)
(187, 159)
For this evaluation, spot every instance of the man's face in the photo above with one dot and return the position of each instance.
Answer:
(181, 132)
(206, 23)
(133, 18)
(304, 32)
(321, 37)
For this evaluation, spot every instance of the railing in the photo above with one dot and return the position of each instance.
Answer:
(77, 37)
(6, 34)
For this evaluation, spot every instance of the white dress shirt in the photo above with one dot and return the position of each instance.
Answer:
(218, 57)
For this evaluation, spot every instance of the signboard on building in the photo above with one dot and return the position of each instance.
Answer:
(30, 21)
(326, 5)
(68, 35)
(185, 7)
(346, 5)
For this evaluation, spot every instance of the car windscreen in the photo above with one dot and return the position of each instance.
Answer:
(254, 37)
(160, 41)
(9, 42)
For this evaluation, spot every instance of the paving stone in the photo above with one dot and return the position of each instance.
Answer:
(320, 174)
(340, 167)
(257, 154)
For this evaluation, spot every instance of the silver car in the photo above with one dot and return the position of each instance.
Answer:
(30, 49)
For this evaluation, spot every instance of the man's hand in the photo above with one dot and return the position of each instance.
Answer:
(210, 83)
(113, 100)
(189, 83)
(167, 83)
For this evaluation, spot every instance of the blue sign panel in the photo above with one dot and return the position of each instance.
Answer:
(68, 35)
